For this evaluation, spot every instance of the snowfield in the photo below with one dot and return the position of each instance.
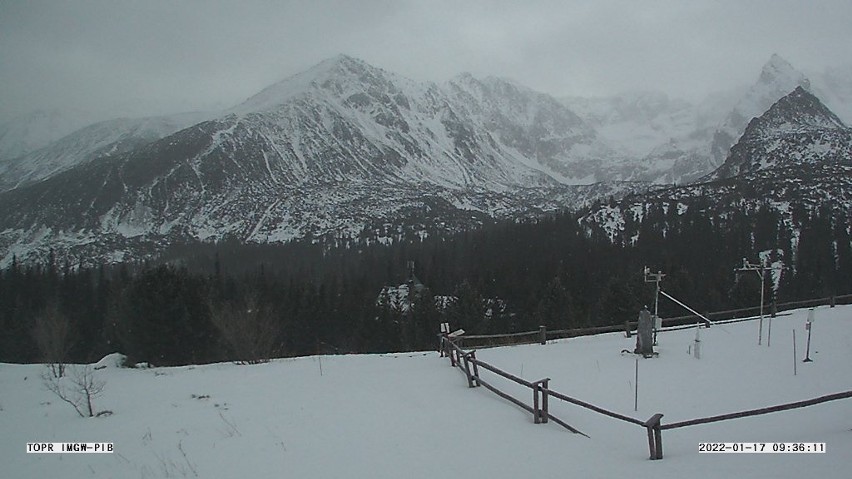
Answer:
(411, 415)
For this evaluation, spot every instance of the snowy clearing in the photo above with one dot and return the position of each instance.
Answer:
(412, 415)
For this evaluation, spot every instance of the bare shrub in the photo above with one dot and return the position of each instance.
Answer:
(250, 329)
(171, 468)
(79, 390)
(53, 336)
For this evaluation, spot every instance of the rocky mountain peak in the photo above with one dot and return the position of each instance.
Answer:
(777, 79)
(797, 130)
(798, 110)
(779, 71)
(340, 76)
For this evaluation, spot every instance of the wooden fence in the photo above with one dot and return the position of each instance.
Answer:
(543, 334)
(470, 366)
(467, 362)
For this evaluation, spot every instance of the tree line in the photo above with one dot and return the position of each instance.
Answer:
(230, 301)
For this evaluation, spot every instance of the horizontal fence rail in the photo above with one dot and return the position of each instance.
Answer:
(597, 409)
(568, 333)
(506, 375)
(760, 411)
(495, 336)
(487, 340)
(507, 397)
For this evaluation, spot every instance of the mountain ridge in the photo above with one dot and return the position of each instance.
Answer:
(342, 148)
(109, 137)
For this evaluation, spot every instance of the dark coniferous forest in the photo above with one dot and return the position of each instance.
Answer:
(204, 303)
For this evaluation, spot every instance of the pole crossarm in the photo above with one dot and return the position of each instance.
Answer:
(707, 321)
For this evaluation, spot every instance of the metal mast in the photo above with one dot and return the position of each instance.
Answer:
(655, 278)
(759, 269)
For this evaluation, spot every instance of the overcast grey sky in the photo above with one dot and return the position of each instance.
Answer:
(157, 56)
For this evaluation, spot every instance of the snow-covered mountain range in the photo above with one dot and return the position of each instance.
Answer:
(342, 147)
(104, 138)
(673, 141)
(35, 130)
(347, 149)
(796, 156)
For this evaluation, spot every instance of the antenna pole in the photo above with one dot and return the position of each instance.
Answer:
(760, 269)
(655, 278)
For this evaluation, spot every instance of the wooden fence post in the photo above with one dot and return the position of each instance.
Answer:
(627, 329)
(536, 415)
(451, 352)
(540, 393)
(466, 358)
(475, 368)
(542, 334)
(655, 436)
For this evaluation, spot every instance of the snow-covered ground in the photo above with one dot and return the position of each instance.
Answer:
(411, 415)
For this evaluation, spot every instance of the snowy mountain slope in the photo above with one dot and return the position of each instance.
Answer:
(637, 122)
(670, 141)
(796, 155)
(806, 188)
(100, 139)
(687, 158)
(777, 79)
(539, 132)
(35, 130)
(122, 219)
(834, 88)
(468, 132)
(326, 153)
(797, 130)
(384, 415)
(659, 139)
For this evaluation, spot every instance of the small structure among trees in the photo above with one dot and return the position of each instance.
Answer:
(402, 297)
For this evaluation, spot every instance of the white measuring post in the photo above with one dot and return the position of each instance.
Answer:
(697, 347)
(795, 356)
(636, 388)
